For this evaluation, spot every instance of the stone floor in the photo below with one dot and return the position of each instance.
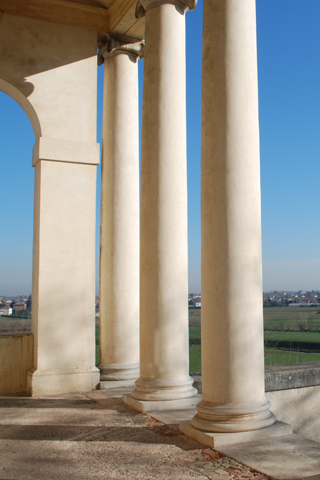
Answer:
(95, 436)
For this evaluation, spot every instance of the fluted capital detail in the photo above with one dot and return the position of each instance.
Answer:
(144, 5)
(117, 45)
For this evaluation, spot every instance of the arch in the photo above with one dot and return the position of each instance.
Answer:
(24, 103)
(17, 197)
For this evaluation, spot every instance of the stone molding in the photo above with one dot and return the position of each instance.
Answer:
(164, 389)
(144, 5)
(118, 372)
(63, 150)
(233, 417)
(117, 45)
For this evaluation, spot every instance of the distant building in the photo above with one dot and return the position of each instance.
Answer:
(5, 311)
(19, 306)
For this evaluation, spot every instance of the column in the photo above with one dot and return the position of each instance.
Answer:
(233, 396)
(119, 251)
(164, 348)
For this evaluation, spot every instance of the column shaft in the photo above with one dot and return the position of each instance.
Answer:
(164, 271)
(232, 314)
(119, 255)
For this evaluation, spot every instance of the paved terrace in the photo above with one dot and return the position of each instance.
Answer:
(94, 435)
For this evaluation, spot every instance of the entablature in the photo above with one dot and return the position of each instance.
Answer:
(103, 16)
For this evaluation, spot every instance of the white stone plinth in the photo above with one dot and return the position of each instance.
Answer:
(48, 382)
(215, 440)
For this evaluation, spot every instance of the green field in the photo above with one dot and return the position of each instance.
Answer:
(194, 335)
(272, 356)
(304, 341)
(292, 335)
(293, 319)
(15, 324)
(97, 347)
(195, 358)
(13, 319)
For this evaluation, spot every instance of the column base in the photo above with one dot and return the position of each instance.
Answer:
(106, 385)
(51, 382)
(161, 389)
(233, 417)
(116, 372)
(155, 406)
(214, 440)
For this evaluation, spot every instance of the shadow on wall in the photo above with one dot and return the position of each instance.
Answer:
(24, 42)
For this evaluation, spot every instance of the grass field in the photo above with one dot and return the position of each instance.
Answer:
(272, 356)
(15, 325)
(11, 318)
(292, 335)
(97, 347)
(195, 358)
(293, 319)
(306, 340)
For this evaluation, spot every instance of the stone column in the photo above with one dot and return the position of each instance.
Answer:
(233, 396)
(119, 251)
(164, 349)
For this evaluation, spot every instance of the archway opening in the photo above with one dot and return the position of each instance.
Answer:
(16, 200)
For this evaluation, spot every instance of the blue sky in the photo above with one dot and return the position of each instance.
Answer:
(288, 38)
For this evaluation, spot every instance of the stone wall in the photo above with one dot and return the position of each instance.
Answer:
(16, 358)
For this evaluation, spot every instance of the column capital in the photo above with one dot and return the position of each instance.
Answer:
(144, 5)
(117, 45)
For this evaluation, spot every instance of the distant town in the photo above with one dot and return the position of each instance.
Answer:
(20, 305)
(301, 298)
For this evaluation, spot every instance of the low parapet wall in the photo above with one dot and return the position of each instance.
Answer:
(294, 393)
(16, 358)
(284, 377)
